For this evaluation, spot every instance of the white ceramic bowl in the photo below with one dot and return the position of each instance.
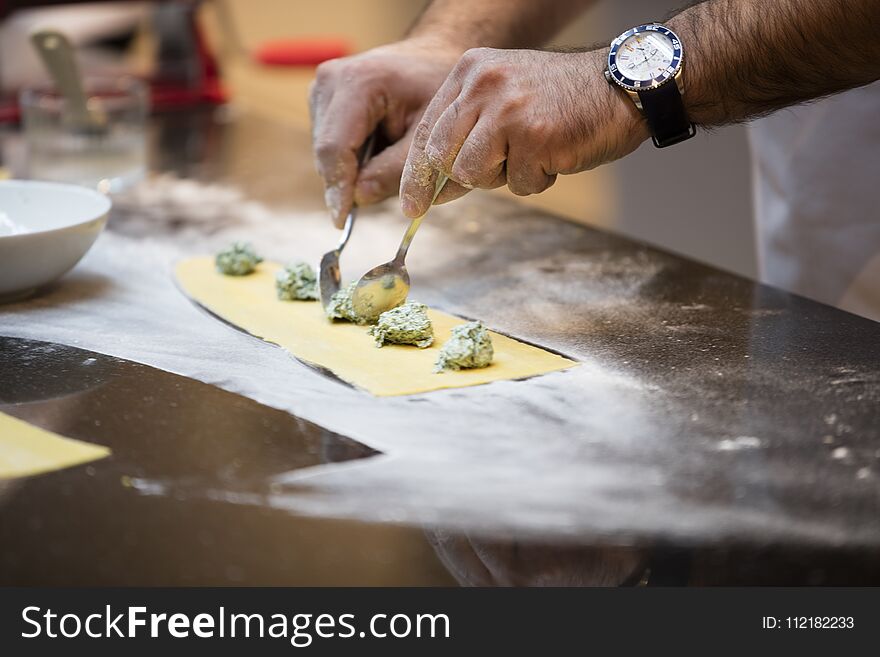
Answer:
(45, 228)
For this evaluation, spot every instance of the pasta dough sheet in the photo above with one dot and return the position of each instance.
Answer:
(300, 327)
(27, 450)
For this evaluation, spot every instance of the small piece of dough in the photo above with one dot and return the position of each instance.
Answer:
(469, 346)
(406, 324)
(26, 450)
(240, 259)
(297, 282)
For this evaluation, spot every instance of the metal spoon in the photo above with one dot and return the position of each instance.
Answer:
(60, 59)
(329, 275)
(387, 286)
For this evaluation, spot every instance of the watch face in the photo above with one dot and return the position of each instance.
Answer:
(644, 57)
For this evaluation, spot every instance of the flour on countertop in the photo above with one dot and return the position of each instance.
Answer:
(578, 453)
(738, 443)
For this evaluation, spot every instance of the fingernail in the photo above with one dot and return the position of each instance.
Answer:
(409, 206)
(333, 201)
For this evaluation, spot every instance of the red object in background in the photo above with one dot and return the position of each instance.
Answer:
(301, 52)
(8, 111)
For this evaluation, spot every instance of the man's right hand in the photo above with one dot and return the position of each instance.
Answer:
(389, 86)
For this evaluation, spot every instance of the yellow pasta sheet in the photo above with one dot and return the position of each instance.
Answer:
(27, 450)
(300, 327)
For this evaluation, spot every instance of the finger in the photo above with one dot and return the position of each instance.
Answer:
(320, 92)
(314, 102)
(419, 176)
(449, 134)
(480, 161)
(340, 131)
(525, 171)
(338, 136)
(319, 95)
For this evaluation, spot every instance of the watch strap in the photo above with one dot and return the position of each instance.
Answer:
(663, 108)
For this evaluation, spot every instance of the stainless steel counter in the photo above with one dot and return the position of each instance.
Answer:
(716, 431)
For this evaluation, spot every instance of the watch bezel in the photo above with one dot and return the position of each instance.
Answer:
(644, 85)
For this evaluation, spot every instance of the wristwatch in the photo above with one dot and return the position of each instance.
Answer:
(646, 62)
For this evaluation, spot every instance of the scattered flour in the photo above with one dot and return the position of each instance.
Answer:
(739, 443)
(840, 453)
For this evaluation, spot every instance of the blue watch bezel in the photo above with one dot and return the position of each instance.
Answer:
(645, 85)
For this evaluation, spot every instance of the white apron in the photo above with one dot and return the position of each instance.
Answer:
(816, 171)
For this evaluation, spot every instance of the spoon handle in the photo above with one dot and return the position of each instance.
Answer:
(415, 223)
(58, 55)
(363, 158)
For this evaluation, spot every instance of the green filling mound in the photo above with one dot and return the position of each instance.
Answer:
(240, 259)
(469, 346)
(406, 324)
(297, 282)
(340, 306)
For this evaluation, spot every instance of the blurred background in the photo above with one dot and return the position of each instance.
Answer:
(259, 55)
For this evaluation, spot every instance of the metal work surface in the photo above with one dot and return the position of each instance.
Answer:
(91, 525)
(709, 414)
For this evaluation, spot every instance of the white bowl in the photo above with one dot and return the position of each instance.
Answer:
(45, 228)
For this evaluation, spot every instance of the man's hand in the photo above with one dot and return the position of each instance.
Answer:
(389, 87)
(518, 117)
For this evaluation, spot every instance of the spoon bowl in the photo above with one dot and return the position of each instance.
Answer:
(329, 273)
(329, 276)
(380, 289)
(387, 286)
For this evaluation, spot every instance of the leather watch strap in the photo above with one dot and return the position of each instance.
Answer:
(667, 119)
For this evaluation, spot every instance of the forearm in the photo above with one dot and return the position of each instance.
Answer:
(746, 58)
(496, 23)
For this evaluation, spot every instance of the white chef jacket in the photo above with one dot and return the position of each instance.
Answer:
(816, 171)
